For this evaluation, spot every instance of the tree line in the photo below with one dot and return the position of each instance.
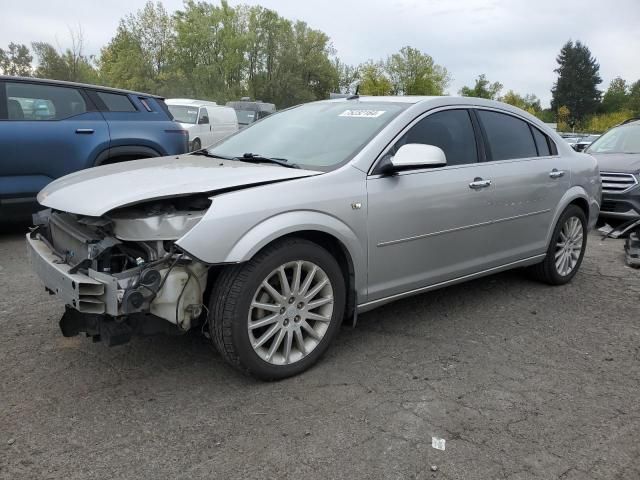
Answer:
(221, 52)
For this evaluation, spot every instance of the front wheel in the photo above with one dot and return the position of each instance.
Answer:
(275, 315)
(196, 145)
(566, 249)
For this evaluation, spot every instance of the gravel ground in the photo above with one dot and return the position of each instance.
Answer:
(522, 380)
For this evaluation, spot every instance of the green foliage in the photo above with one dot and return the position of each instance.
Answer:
(616, 97)
(412, 72)
(578, 79)
(564, 119)
(603, 122)
(483, 88)
(373, 80)
(530, 103)
(634, 98)
(16, 60)
(71, 64)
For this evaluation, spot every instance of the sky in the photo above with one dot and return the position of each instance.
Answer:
(514, 42)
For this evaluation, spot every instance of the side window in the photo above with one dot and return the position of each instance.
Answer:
(203, 117)
(451, 130)
(508, 137)
(32, 101)
(116, 102)
(542, 142)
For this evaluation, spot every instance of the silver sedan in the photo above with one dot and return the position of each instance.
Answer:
(271, 238)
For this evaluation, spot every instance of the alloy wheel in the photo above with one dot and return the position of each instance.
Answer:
(290, 312)
(569, 246)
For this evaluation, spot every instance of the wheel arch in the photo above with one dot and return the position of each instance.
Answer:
(574, 196)
(320, 228)
(124, 153)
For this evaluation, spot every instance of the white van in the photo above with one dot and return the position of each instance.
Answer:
(207, 122)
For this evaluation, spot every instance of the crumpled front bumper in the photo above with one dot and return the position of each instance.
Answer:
(95, 293)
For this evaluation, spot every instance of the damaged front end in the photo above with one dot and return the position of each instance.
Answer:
(122, 274)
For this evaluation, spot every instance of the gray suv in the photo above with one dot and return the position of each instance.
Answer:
(618, 155)
(313, 215)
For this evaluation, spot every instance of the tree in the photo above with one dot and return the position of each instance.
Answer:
(373, 80)
(412, 72)
(482, 89)
(16, 60)
(348, 76)
(616, 97)
(71, 64)
(123, 64)
(578, 79)
(634, 98)
(564, 116)
(530, 103)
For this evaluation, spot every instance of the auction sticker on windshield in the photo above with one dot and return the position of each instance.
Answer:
(362, 113)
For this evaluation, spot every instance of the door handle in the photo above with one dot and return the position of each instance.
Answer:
(86, 131)
(479, 183)
(555, 173)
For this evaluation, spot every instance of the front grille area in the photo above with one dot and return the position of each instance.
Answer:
(617, 182)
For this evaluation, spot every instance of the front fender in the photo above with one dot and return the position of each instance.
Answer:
(286, 223)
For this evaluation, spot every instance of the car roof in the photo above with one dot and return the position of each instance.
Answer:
(64, 83)
(424, 99)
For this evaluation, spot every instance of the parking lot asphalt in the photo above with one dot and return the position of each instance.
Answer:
(520, 379)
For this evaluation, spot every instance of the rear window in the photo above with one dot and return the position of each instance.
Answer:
(116, 102)
(32, 101)
(542, 142)
(508, 137)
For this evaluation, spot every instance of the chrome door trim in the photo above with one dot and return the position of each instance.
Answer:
(507, 266)
(457, 229)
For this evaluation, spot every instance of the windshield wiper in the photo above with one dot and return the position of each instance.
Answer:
(257, 158)
(207, 153)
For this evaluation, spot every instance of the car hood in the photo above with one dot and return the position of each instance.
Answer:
(618, 162)
(96, 191)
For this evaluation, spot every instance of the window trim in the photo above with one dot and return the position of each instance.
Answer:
(373, 173)
(102, 107)
(4, 114)
(552, 146)
(90, 107)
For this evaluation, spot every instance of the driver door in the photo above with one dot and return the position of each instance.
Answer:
(431, 225)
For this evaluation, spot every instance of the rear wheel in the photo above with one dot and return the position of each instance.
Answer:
(275, 315)
(566, 249)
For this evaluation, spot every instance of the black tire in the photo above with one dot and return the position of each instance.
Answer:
(546, 270)
(196, 145)
(231, 299)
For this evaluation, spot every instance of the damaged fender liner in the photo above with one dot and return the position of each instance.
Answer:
(114, 331)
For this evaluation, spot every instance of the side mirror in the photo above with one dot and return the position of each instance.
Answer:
(203, 120)
(418, 155)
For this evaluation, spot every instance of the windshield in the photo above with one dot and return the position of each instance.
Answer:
(318, 136)
(183, 113)
(623, 139)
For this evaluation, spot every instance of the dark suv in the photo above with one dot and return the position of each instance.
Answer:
(618, 155)
(50, 128)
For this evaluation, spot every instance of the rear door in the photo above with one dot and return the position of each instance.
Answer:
(48, 131)
(530, 178)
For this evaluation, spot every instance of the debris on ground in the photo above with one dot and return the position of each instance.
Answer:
(632, 249)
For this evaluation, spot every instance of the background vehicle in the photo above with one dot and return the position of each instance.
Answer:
(206, 122)
(272, 249)
(584, 142)
(618, 156)
(249, 112)
(51, 128)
